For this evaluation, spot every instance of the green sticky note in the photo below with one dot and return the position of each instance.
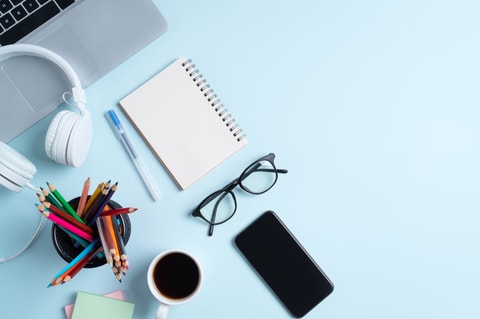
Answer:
(91, 306)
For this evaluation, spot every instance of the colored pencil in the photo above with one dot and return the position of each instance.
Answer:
(82, 242)
(102, 205)
(100, 193)
(93, 198)
(41, 198)
(77, 259)
(103, 240)
(95, 206)
(83, 197)
(72, 272)
(60, 222)
(110, 234)
(121, 245)
(118, 211)
(58, 209)
(48, 196)
(107, 226)
(117, 238)
(66, 217)
(62, 201)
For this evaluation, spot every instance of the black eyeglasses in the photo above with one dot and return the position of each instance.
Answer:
(257, 178)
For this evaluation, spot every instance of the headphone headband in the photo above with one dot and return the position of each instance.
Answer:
(68, 137)
(12, 50)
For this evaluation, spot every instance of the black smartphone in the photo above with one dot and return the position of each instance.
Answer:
(282, 262)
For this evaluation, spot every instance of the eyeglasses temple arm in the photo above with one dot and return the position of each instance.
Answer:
(271, 170)
(214, 215)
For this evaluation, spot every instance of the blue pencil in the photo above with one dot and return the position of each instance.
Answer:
(75, 260)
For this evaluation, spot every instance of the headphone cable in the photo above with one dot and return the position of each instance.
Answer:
(34, 236)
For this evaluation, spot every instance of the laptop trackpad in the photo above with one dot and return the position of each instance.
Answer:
(62, 41)
(40, 81)
(31, 88)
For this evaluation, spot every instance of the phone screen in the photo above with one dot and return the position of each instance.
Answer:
(283, 263)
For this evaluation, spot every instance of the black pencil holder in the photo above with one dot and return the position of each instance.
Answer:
(68, 248)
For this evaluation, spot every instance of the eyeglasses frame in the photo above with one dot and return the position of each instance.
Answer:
(228, 190)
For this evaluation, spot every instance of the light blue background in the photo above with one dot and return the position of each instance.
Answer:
(371, 105)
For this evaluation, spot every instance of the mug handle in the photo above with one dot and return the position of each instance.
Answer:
(162, 311)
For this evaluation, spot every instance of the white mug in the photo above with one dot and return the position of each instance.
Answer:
(174, 277)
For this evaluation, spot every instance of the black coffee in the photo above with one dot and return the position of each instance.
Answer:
(176, 276)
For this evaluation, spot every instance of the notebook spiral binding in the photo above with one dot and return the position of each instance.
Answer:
(214, 100)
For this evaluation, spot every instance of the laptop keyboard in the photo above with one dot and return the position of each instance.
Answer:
(20, 17)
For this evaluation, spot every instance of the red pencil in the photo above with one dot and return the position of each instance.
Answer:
(118, 211)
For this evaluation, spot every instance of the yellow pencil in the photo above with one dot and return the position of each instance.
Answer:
(93, 198)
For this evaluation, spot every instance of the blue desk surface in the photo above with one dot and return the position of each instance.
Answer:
(373, 107)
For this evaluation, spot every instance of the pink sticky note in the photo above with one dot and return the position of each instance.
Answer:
(116, 294)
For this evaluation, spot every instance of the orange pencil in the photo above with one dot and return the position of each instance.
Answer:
(114, 251)
(114, 248)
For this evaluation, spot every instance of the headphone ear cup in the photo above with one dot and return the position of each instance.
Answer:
(68, 138)
(80, 140)
(51, 137)
(15, 169)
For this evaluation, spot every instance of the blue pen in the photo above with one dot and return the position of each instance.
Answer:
(122, 136)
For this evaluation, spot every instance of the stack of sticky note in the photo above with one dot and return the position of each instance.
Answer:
(90, 306)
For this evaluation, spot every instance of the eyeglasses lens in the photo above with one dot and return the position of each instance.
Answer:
(220, 207)
(259, 177)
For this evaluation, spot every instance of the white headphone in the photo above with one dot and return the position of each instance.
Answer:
(69, 135)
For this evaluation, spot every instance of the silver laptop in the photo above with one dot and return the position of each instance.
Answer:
(94, 36)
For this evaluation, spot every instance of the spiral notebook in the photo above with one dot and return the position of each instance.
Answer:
(184, 122)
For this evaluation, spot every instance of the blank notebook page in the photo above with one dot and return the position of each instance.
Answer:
(183, 122)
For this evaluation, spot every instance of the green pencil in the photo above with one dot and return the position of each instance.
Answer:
(64, 203)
